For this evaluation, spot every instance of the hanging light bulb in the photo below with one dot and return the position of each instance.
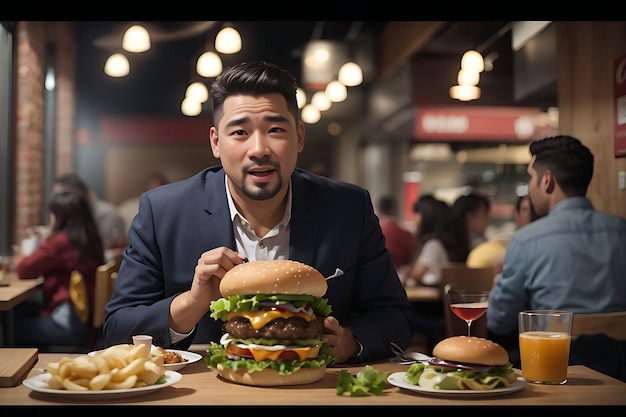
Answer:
(336, 91)
(468, 77)
(310, 114)
(209, 64)
(190, 107)
(473, 60)
(321, 101)
(300, 97)
(136, 39)
(117, 65)
(350, 74)
(228, 41)
(465, 92)
(197, 91)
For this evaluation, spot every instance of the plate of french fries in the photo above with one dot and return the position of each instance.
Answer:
(118, 371)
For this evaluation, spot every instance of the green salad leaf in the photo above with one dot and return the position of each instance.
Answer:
(366, 382)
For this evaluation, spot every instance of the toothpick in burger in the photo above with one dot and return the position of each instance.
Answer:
(464, 363)
(273, 313)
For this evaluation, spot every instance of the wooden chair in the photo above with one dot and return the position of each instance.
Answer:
(106, 276)
(459, 275)
(611, 324)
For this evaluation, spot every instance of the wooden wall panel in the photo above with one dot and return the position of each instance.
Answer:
(586, 52)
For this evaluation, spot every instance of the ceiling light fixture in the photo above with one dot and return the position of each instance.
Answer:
(228, 41)
(321, 101)
(473, 60)
(300, 97)
(336, 91)
(209, 64)
(117, 65)
(136, 39)
(468, 77)
(350, 74)
(310, 114)
(190, 107)
(465, 92)
(197, 91)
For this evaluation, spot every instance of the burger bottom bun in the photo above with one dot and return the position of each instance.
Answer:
(471, 349)
(270, 378)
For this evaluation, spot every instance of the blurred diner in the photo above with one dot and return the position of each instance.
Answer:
(470, 212)
(398, 239)
(571, 258)
(439, 244)
(59, 315)
(110, 223)
(491, 252)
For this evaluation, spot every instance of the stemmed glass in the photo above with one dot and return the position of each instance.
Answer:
(468, 305)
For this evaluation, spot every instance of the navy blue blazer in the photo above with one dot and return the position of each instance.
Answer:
(333, 225)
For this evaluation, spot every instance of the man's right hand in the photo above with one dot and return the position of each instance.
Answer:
(189, 307)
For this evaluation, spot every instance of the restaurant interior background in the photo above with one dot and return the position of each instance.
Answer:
(398, 132)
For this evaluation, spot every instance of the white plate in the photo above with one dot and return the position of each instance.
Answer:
(39, 383)
(397, 379)
(190, 356)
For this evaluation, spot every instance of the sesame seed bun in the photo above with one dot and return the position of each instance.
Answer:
(470, 349)
(273, 277)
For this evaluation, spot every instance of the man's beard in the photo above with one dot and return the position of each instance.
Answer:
(263, 191)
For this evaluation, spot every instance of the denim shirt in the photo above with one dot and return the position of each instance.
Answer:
(573, 259)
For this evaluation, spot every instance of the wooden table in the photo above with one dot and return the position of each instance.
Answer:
(201, 386)
(17, 291)
(422, 293)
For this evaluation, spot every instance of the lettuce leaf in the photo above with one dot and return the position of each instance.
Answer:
(216, 354)
(221, 307)
(439, 377)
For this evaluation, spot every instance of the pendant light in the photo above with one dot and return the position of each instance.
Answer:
(209, 64)
(136, 39)
(117, 65)
(350, 74)
(228, 41)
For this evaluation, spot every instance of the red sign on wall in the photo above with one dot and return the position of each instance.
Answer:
(619, 111)
(483, 123)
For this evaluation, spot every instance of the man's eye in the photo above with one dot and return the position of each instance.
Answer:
(239, 132)
(276, 130)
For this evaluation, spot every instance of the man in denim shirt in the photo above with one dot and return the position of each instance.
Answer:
(573, 258)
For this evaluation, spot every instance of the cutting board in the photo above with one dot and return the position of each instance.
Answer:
(15, 363)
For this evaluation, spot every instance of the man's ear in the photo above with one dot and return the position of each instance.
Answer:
(548, 181)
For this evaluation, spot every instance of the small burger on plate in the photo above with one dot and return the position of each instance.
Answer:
(464, 363)
(273, 313)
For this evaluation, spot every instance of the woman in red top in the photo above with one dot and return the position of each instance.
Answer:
(73, 245)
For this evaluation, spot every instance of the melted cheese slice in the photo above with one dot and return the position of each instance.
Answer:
(303, 353)
(258, 319)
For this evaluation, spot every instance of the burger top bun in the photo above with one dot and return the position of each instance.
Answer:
(273, 277)
(470, 349)
(270, 378)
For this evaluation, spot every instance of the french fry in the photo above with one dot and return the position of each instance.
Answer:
(126, 384)
(115, 368)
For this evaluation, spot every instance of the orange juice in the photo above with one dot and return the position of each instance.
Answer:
(544, 356)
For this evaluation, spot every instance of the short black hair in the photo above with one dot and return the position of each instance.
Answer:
(253, 78)
(568, 159)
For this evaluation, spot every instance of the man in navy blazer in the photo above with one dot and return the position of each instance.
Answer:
(187, 234)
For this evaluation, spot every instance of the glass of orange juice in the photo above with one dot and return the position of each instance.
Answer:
(544, 342)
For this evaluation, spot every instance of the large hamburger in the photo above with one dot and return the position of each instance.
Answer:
(272, 335)
(464, 363)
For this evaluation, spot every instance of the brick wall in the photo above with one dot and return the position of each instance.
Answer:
(31, 39)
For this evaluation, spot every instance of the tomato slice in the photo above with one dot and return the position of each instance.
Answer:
(234, 349)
